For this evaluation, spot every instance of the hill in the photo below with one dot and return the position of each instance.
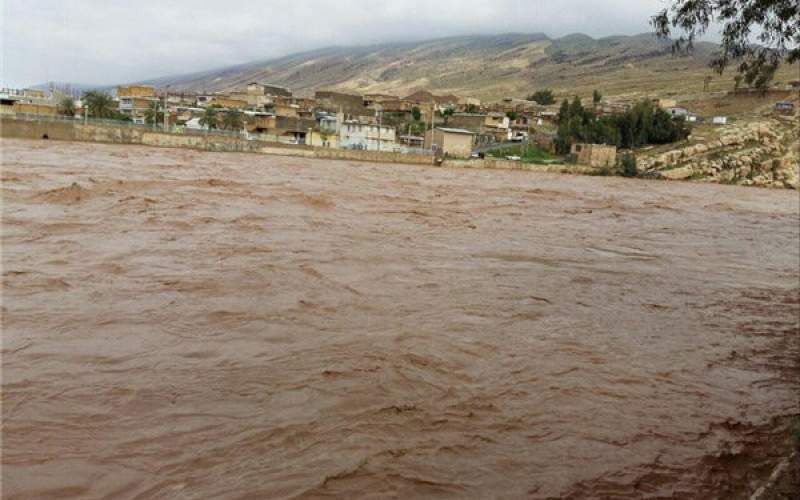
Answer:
(487, 67)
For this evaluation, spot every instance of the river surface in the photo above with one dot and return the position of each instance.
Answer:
(187, 325)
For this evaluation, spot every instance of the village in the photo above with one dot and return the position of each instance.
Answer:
(447, 126)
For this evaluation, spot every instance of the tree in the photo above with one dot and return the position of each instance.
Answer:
(209, 118)
(641, 125)
(629, 165)
(100, 104)
(416, 114)
(232, 120)
(774, 24)
(446, 114)
(472, 108)
(67, 107)
(512, 115)
(597, 97)
(153, 114)
(543, 97)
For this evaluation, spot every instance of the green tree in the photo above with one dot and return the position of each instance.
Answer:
(512, 115)
(153, 114)
(597, 97)
(446, 114)
(209, 118)
(100, 104)
(472, 108)
(66, 107)
(643, 124)
(416, 114)
(233, 120)
(774, 24)
(543, 97)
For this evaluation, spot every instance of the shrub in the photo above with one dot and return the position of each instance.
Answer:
(543, 97)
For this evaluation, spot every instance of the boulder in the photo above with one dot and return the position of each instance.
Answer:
(677, 174)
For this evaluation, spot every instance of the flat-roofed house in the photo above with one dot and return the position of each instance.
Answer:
(135, 107)
(334, 102)
(34, 109)
(368, 136)
(136, 91)
(455, 142)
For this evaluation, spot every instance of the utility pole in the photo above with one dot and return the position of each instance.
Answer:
(166, 92)
(378, 113)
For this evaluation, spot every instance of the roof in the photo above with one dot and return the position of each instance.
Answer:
(455, 130)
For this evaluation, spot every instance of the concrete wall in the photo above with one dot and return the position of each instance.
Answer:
(69, 131)
(595, 155)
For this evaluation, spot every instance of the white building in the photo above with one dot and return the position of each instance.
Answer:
(354, 135)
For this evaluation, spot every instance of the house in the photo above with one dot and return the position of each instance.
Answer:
(222, 101)
(265, 89)
(497, 120)
(440, 101)
(413, 141)
(368, 136)
(136, 91)
(784, 108)
(322, 139)
(228, 102)
(350, 104)
(136, 107)
(329, 122)
(259, 95)
(594, 155)
(474, 122)
(451, 141)
(291, 110)
(34, 109)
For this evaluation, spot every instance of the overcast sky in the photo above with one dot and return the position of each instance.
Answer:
(117, 41)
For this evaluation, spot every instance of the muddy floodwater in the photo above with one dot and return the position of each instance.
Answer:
(190, 325)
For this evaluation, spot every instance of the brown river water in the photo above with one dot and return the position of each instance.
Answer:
(184, 325)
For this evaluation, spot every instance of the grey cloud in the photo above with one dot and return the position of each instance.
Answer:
(111, 41)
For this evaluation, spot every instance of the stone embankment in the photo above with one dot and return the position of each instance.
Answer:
(765, 153)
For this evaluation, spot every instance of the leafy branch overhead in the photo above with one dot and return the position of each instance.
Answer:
(759, 35)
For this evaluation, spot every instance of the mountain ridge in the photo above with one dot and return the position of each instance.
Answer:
(484, 66)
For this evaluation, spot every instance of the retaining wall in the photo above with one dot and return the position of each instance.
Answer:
(67, 131)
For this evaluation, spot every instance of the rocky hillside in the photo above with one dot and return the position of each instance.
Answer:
(487, 67)
(761, 153)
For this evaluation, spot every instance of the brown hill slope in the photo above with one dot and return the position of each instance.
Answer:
(487, 67)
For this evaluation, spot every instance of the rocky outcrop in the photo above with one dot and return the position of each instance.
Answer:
(764, 153)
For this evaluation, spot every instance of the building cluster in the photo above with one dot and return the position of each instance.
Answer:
(377, 122)
(29, 101)
(447, 124)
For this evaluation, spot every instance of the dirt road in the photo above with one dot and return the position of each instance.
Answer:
(179, 324)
